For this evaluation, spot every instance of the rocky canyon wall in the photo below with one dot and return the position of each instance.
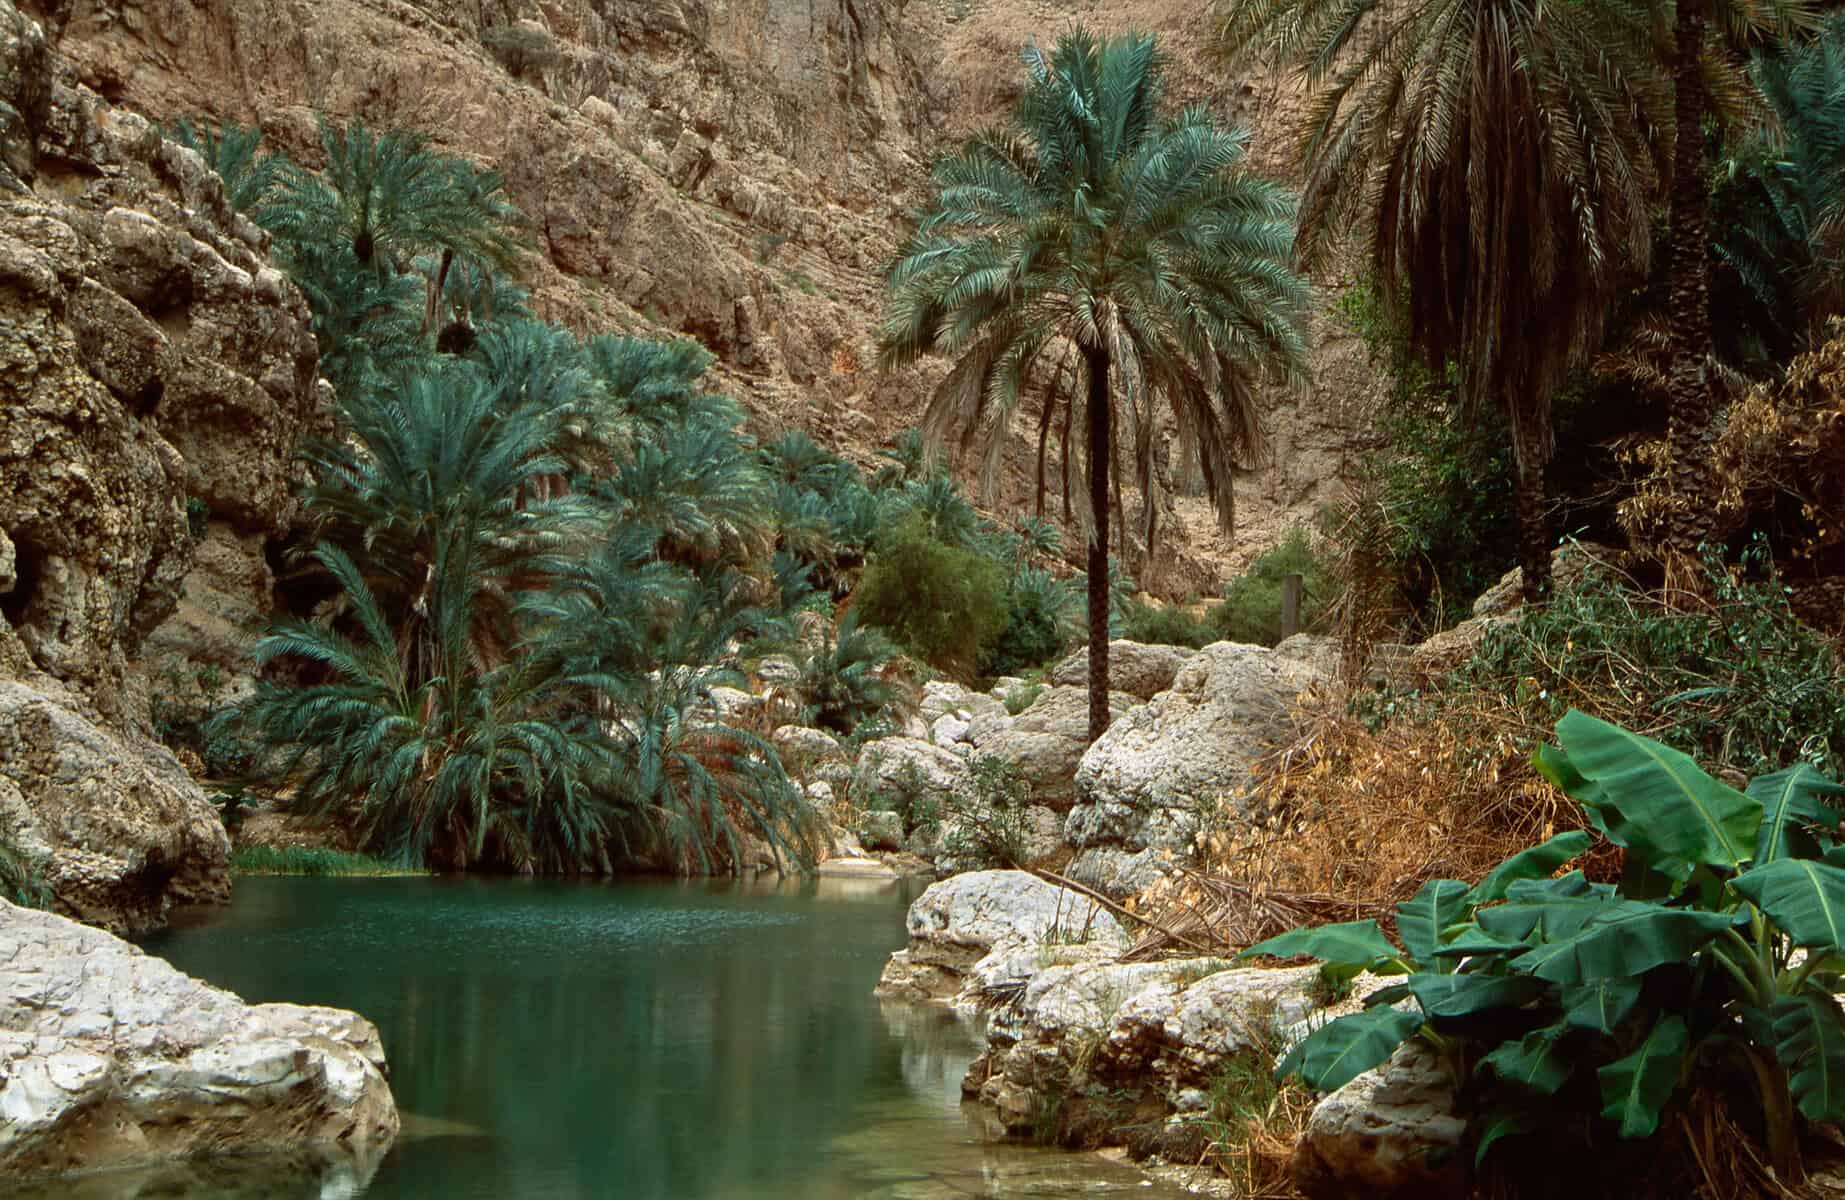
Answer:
(155, 377)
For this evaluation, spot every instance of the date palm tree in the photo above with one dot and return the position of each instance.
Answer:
(1496, 160)
(1099, 230)
(1688, 385)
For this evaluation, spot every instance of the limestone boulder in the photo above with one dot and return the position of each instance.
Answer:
(801, 744)
(1118, 873)
(1046, 742)
(1570, 565)
(110, 1058)
(1392, 1133)
(970, 929)
(881, 830)
(1159, 1028)
(894, 767)
(944, 698)
(1142, 671)
(1146, 782)
(118, 829)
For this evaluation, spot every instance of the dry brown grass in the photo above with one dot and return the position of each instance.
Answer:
(1359, 818)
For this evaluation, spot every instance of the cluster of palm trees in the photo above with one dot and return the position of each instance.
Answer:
(538, 554)
(1498, 169)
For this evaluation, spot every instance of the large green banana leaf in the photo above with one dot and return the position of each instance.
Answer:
(1536, 1061)
(1791, 804)
(1805, 898)
(1810, 1042)
(1672, 810)
(1600, 1005)
(1452, 996)
(1536, 863)
(1438, 904)
(1626, 939)
(1358, 943)
(1635, 1089)
(1341, 1050)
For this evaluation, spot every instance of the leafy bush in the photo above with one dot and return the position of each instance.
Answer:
(987, 818)
(1166, 625)
(1023, 697)
(1741, 682)
(1251, 608)
(1575, 1004)
(940, 602)
(20, 880)
(1041, 614)
(317, 861)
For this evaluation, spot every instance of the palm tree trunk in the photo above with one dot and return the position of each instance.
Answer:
(1099, 443)
(1688, 305)
(434, 304)
(1530, 455)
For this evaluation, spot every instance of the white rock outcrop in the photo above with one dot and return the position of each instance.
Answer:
(1047, 740)
(1145, 781)
(962, 929)
(1142, 671)
(1392, 1133)
(110, 1057)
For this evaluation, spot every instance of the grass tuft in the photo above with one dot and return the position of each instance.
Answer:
(315, 861)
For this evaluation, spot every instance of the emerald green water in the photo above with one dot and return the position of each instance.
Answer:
(642, 1040)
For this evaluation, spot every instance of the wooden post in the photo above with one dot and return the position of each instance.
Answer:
(1291, 586)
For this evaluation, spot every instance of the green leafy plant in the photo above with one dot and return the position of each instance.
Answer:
(940, 602)
(1718, 953)
(21, 881)
(987, 817)
(317, 861)
(843, 678)
(1166, 625)
(1251, 608)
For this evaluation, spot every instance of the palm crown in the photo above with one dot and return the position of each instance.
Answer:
(1500, 159)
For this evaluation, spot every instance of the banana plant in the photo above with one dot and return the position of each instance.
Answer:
(1722, 946)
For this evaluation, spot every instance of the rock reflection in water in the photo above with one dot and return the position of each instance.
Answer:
(318, 1173)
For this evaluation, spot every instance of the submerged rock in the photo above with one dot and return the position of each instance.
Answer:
(110, 1057)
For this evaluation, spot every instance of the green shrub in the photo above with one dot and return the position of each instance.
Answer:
(940, 602)
(1741, 683)
(1166, 625)
(843, 677)
(20, 880)
(1023, 697)
(1251, 607)
(309, 860)
(1041, 613)
(988, 824)
(1577, 1007)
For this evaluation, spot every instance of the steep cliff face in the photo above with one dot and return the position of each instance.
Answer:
(736, 172)
(155, 376)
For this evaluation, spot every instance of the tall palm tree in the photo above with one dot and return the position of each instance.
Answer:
(1498, 158)
(1688, 387)
(1097, 229)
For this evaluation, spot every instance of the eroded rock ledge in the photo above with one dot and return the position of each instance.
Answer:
(111, 1058)
(1083, 1048)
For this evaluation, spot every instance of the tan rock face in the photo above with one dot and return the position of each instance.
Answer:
(156, 377)
(118, 829)
(111, 1058)
(738, 173)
